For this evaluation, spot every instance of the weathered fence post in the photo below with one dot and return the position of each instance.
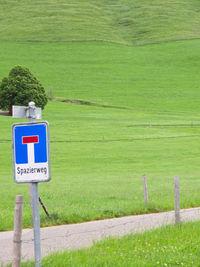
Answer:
(17, 231)
(177, 200)
(145, 189)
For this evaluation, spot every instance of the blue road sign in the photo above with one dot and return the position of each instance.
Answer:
(31, 152)
(21, 148)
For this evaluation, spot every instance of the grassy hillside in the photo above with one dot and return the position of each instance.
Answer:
(100, 153)
(123, 21)
(162, 77)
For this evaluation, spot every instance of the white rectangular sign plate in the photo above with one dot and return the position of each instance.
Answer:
(31, 153)
(21, 112)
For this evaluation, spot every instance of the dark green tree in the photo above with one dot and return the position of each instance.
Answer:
(21, 87)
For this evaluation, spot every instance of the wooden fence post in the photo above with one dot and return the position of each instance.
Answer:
(177, 200)
(17, 231)
(145, 189)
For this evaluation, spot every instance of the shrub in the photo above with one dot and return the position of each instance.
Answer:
(21, 87)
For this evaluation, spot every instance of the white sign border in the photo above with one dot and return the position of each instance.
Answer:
(48, 152)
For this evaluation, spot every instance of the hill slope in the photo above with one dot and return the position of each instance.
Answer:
(124, 21)
(161, 77)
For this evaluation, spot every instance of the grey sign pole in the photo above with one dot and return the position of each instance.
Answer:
(31, 114)
(36, 224)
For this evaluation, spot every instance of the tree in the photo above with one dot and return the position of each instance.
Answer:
(21, 87)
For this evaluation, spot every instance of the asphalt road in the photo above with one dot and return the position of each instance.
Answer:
(75, 236)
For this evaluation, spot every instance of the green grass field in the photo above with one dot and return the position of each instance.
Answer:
(118, 111)
(101, 150)
(161, 78)
(167, 246)
(99, 153)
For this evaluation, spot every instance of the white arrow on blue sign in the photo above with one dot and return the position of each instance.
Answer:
(31, 153)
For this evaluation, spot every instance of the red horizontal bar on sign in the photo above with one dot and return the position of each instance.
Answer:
(30, 139)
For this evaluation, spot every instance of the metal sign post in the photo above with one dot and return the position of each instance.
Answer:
(34, 200)
(36, 224)
(31, 160)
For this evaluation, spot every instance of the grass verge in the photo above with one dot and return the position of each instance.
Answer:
(167, 246)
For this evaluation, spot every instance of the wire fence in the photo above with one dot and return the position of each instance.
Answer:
(129, 139)
(137, 224)
(125, 139)
(88, 200)
(133, 190)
